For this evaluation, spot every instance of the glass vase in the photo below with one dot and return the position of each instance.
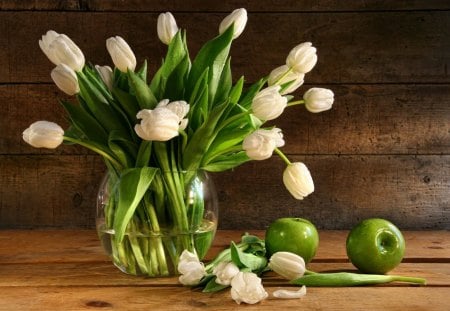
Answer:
(179, 211)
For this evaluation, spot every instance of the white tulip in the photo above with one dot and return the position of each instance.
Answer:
(298, 180)
(283, 75)
(289, 265)
(164, 122)
(167, 27)
(268, 104)
(246, 287)
(106, 74)
(65, 79)
(290, 294)
(44, 134)
(225, 272)
(121, 53)
(180, 107)
(261, 143)
(191, 269)
(302, 58)
(60, 49)
(318, 99)
(239, 18)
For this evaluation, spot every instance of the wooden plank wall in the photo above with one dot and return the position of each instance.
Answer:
(382, 151)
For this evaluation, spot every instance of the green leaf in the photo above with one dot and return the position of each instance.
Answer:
(128, 103)
(214, 55)
(236, 91)
(224, 163)
(144, 153)
(124, 149)
(143, 94)
(177, 59)
(142, 72)
(98, 106)
(132, 186)
(224, 85)
(246, 101)
(212, 286)
(84, 122)
(200, 141)
(246, 260)
(175, 84)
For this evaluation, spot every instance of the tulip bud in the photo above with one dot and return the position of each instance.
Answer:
(302, 58)
(268, 104)
(121, 53)
(167, 27)
(260, 144)
(318, 99)
(44, 134)
(289, 265)
(106, 74)
(239, 18)
(191, 269)
(65, 79)
(298, 180)
(225, 272)
(283, 75)
(246, 287)
(60, 49)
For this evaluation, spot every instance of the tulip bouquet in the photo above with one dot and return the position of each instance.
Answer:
(154, 135)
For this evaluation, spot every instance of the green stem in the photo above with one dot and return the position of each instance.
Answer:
(352, 279)
(297, 102)
(282, 77)
(282, 156)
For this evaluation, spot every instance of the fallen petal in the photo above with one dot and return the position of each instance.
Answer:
(290, 294)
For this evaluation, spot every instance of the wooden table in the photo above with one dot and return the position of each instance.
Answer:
(67, 270)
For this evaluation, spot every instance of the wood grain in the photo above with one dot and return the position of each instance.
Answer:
(382, 151)
(178, 298)
(60, 191)
(63, 270)
(413, 44)
(81, 247)
(365, 119)
(211, 6)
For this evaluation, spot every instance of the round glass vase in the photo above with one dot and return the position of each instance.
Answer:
(178, 211)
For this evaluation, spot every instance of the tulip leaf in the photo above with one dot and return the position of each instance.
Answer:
(176, 60)
(202, 138)
(142, 72)
(247, 260)
(143, 94)
(124, 149)
(175, 82)
(84, 122)
(227, 162)
(212, 286)
(144, 153)
(132, 187)
(246, 100)
(224, 84)
(128, 103)
(213, 54)
(236, 91)
(98, 106)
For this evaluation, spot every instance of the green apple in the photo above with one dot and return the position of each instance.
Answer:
(375, 246)
(295, 235)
